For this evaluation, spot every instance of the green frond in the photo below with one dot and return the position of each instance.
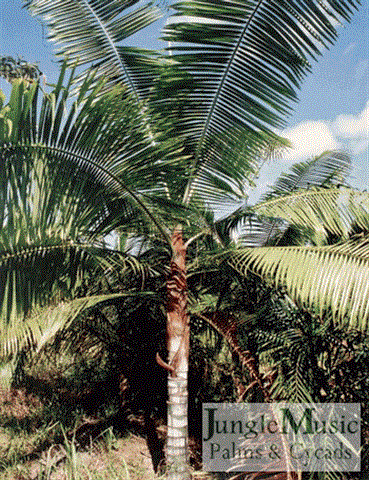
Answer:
(330, 279)
(98, 145)
(337, 211)
(40, 327)
(95, 32)
(68, 166)
(36, 270)
(327, 169)
(237, 67)
(293, 387)
(226, 82)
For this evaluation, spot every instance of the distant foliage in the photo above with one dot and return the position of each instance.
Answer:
(10, 69)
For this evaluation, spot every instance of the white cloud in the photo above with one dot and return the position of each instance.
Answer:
(352, 126)
(353, 130)
(309, 139)
(349, 132)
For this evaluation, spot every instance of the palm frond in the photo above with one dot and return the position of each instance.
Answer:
(41, 326)
(338, 211)
(232, 71)
(93, 32)
(37, 271)
(330, 279)
(329, 168)
(242, 63)
(66, 168)
(98, 145)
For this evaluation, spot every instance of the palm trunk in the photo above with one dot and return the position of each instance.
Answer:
(178, 357)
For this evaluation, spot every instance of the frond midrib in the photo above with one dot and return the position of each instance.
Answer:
(114, 49)
(188, 193)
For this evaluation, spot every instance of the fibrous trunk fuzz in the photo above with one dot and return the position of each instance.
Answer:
(178, 336)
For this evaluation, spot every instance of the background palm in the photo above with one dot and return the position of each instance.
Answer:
(252, 296)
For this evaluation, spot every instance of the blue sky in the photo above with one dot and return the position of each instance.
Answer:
(333, 111)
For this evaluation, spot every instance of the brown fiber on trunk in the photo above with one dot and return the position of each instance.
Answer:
(178, 336)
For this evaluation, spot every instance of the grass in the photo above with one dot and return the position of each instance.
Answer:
(40, 442)
(106, 458)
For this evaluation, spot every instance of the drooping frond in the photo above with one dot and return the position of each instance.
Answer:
(47, 241)
(98, 145)
(245, 228)
(259, 232)
(67, 166)
(328, 169)
(337, 211)
(41, 326)
(325, 279)
(39, 270)
(231, 71)
(93, 32)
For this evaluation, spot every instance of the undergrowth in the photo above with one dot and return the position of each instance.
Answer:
(42, 441)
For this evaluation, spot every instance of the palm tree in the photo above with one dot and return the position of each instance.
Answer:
(226, 82)
(336, 218)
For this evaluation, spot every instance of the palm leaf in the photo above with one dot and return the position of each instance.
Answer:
(327, 169)
(241, 63)
(47, 241)
(322, 279)
(232, 71)
(99, 142)
(41, 326)
(66, 168)
(35, 273)
(95, 31)
(336, 212)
